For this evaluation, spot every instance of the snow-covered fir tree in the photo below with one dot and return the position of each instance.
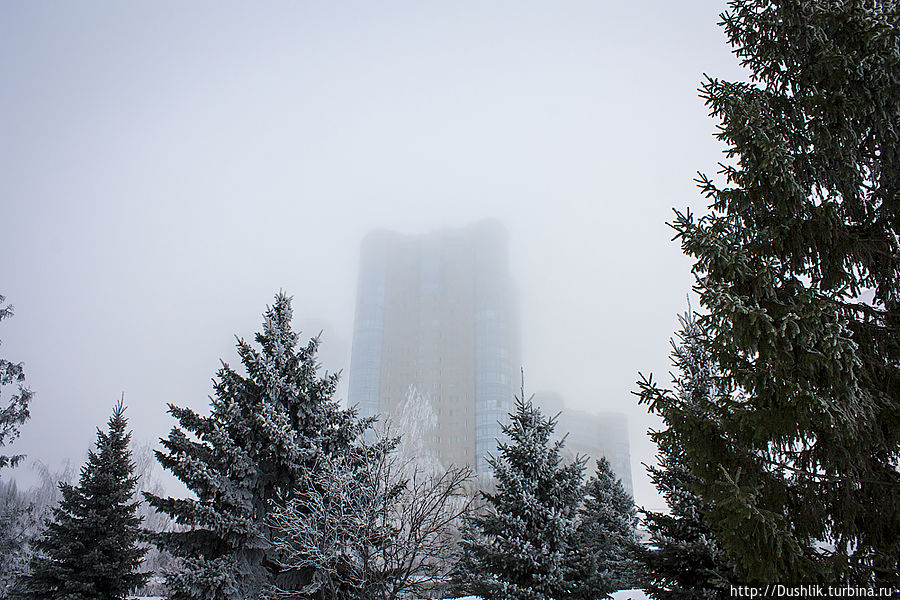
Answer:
(797, 267)
(607, 534)
(90, 550)
(524, 545)
(266, 430)
(683, 560)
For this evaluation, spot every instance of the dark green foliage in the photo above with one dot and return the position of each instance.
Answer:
(89, 551)
(683, 560)
(15, 412)
(607, 534)
(264, 432)
(798, 270)
(524, 544)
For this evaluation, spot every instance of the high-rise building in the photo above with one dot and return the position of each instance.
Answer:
(437, 312)
(592, 435)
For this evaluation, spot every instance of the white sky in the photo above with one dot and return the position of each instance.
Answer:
(165, 168)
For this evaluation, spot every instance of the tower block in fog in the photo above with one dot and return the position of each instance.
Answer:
(600, 435)
(437, 312)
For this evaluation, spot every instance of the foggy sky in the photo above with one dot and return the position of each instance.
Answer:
(166, 168)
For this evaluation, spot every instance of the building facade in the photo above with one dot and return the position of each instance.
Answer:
(436, 313)
(593, 435)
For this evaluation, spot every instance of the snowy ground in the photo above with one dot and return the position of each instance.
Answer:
(630, 595)
(623, 595)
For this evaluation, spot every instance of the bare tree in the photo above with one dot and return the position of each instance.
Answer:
(378, 529)
(44, 495)
(22, 517)
(16, 520)
(414, 424)
(155, 560)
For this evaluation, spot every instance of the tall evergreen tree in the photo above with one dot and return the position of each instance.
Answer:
(524, 544)
(90, 551)
(798, 270)
(683, 560)
(264, 432)
(607, 535)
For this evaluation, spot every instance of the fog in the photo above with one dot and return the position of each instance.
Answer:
(166, 168)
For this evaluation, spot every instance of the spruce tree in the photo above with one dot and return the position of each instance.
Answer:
(266, 430)
(683, 561)
(90, 551)
(524, 544)
(798, 271)
(607, 535)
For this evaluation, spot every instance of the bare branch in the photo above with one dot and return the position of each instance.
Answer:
(382, 528)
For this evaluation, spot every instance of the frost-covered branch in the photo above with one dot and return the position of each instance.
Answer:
(381, 528)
